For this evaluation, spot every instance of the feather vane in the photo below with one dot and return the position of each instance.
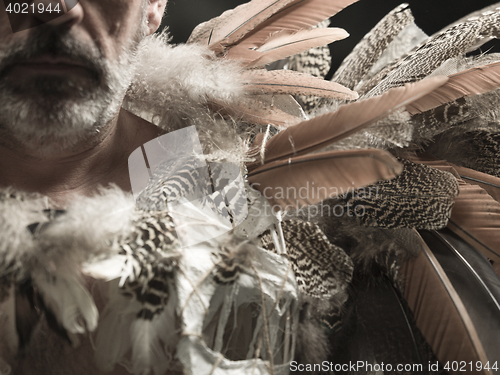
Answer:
(294, 83)
(298, 15)
(284, 44)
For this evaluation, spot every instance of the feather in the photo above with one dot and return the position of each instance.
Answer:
(235, 23)
(322, 269)
(68, 300)
(383, 331)
(321, 175)
(443, 46)
(320, 131)
(299, 15)
(420, 197)
(294, 83)
(370, 48)
(476, 218)
(467, 83)
(475, 282)
(489, 183)
(285, 43)
(280, 110)
(439, 312)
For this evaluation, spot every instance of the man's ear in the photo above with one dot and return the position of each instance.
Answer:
(155, 10)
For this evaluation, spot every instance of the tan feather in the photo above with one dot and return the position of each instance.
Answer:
(320, 131)
(285, 44)
(470, 82)
(233, 24)
(309, 179)
(294, 83)
(299, 15)
(439, 312)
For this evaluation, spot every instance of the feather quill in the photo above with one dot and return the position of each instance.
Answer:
(294, 83)
(284, 43)
(439, 312)
(475, 282)
(320, 131)
(470, 82)
(321, 175)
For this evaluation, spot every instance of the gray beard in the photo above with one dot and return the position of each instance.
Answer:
(52, 114)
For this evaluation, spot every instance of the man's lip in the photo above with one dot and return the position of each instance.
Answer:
(51, 65)
(49, 60)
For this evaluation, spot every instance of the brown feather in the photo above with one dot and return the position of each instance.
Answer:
(470, 82)
(294, 83)
(322, 175)
(299, 15)
(235, 23)
(439, 312)
(284, 44)
(320, 131)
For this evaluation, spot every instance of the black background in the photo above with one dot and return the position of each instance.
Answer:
(430, 15)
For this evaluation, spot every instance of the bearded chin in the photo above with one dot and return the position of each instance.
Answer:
(56, 114)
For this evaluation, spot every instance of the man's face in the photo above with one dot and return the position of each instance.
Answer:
(63, 81)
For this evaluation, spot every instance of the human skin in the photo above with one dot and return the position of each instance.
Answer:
(100, 159)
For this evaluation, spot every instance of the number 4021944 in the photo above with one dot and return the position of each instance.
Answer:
(25, 8)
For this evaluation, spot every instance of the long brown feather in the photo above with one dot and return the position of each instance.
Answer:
(439, 312)
(320, 131)
(309, 179)
(284, 44)
(299, 15)
(470, 82)
(235, 23)
(294, 83)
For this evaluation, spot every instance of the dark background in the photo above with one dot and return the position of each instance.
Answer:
(357, 19)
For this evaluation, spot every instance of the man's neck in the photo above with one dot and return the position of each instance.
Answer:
(103, 161)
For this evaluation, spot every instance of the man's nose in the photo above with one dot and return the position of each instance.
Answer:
(73, 13)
